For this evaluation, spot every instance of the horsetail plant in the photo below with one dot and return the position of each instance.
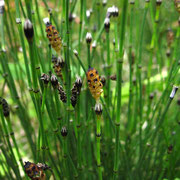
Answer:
(98, 110)
(51, 120)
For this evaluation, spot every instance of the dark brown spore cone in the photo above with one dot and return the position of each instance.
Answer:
(64, 131)
(5, 107)
(62, 94)
(158, 2)
(151, 96)
(28, 30)
(103, 80)
(78, 84)
(88, 38)
(76, 91)
(45, 78)
(54, 81)
(107, 24)
(113, 77)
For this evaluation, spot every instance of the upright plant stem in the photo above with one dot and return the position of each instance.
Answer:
(80, 26)
(130, 65)
(79, 148)
(68, 70)
(108, 81)
(98, 139)
(16, 170)
(139, 68)
(118, 85)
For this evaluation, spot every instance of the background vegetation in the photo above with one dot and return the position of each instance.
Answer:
(139, 58)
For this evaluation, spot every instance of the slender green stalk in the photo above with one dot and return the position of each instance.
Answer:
(80, 25)
(98, 137)
(88, 56)
(79, 147)
(130, 65)
(80, 61)
(118, 86)
(108, 69)
(67, 60)
(15, 143)
(16, 170)
(139, 68)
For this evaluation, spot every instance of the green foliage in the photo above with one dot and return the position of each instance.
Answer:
(55, 121)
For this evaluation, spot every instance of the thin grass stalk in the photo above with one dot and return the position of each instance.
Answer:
(22, 114)
(68, 70)
(68, 81)
(108, 70)
(139, 68)
(88, 55)
(169, 77)
(79, 129)
(58, 171)
(15, 143)
(37, 96)
(98, 139)
(28, 4)
(22, 42)
(58, 107)
(7, 171)
(22, 9)
(96, 40)
(16, 170)
(80, 25)
(130, 64)
(2, 32)
(80, 61)
(174, 57)
(9, 161)
(39, 19)
(18, 69)
(152, 135)
(153, 45)
(160, 121)
(118, 86)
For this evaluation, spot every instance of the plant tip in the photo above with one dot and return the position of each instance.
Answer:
(75, 52)
(173, 92)
(46, 21)
(64, 131)
(88, 37)
(104, 2)
(107, 24)
(78, 82)
(71, 17)
(103, 80)
(151, 96)
(2, 4)
(88, 13)
(45, 78)
(98, 109)
(28, 30)
(54, 81)
(94, 44)
(158, 2)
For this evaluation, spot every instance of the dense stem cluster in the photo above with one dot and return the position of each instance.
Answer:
(64, 115)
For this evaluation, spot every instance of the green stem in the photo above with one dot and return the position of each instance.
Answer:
(139, 68)
(98, 139)
(118, 86)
